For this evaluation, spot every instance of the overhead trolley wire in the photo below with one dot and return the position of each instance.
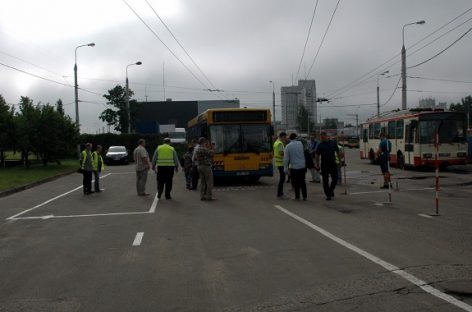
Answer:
(306, 41)
(170, 50)
(393, 93)
(442, 51)
(180, 45)
(354, 83)
(322, 40)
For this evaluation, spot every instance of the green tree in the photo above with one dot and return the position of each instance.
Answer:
(117, 115)
(60, 107)
(7, 129)
(304, 120)
(27, 123)
(464, 106)
(57, 135)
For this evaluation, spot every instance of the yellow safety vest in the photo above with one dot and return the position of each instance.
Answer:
(165, 155)
(95, 161)
(84, 158)
(279, 160)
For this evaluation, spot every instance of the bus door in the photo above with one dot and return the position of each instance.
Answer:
(410, 135)
(365, 140)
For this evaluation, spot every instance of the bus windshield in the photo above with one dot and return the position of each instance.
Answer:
(247, 138)
(452, 128)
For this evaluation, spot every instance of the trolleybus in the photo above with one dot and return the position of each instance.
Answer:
(242, 139)
(413, 135)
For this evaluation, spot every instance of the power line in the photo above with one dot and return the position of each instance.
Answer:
(47, 79)
(306, 41)
(29, 63)
(347, 105)
(439, 79)
(178, 42)
(34, 75)
(350, 85)
(322, 40)
(393, 93)
(442, 51)
(172, 52)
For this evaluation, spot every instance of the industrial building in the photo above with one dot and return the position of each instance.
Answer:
(152, 114)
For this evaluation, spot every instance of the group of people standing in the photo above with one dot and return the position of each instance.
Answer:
(196, 163)
(293, 159)
(91, 165)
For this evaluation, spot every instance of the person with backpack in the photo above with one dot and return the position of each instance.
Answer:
(383, 156)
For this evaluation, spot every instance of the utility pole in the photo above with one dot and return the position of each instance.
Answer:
(76, 89)
(404, 62)
(273, 101)
(378, 91)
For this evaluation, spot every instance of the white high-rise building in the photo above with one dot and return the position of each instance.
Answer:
(294, 96)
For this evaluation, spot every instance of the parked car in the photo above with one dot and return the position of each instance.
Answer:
(116, 155)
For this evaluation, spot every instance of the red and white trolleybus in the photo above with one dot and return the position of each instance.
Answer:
(413, 136)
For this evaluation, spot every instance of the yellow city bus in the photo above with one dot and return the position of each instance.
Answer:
(413, 136)
(242, 139)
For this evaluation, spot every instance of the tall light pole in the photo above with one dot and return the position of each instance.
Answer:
(378, 91)
(404, 62)
(273, 100)
(76, 88)
(127, 95)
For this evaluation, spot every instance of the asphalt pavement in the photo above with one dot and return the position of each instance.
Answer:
(365, 250)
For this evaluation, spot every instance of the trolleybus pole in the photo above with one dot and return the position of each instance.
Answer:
(436, 161)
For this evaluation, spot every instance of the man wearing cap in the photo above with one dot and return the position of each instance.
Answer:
(279, 147)
(87, 167)
(327, 150)
(294, 157)
(164, 162)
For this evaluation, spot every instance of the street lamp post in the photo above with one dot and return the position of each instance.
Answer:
(127, 95)
(273, 101)
(76, 89)
(378, 91)
(404, 62)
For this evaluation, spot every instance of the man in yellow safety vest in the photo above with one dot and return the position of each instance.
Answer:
(98, 166)
(86, 166)
(279, 148)
(164, 162)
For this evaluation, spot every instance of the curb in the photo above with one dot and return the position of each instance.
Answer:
(31, 185)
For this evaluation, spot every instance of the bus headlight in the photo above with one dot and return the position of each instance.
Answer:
(264, 166)
(427, 155)
(462, 154)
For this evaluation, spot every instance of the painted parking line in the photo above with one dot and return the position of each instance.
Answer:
(385, 191)
(388, 266)
(49, 200)
(138, 239)
(151, 210)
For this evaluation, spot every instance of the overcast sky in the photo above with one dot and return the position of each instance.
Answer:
(239, 45)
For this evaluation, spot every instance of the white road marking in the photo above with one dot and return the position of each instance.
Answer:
(49, 200)
(83, 215)
(47, 217)
(138, 239)
(154, 204)
(390, 267)
(405, 190)
(425, 215)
